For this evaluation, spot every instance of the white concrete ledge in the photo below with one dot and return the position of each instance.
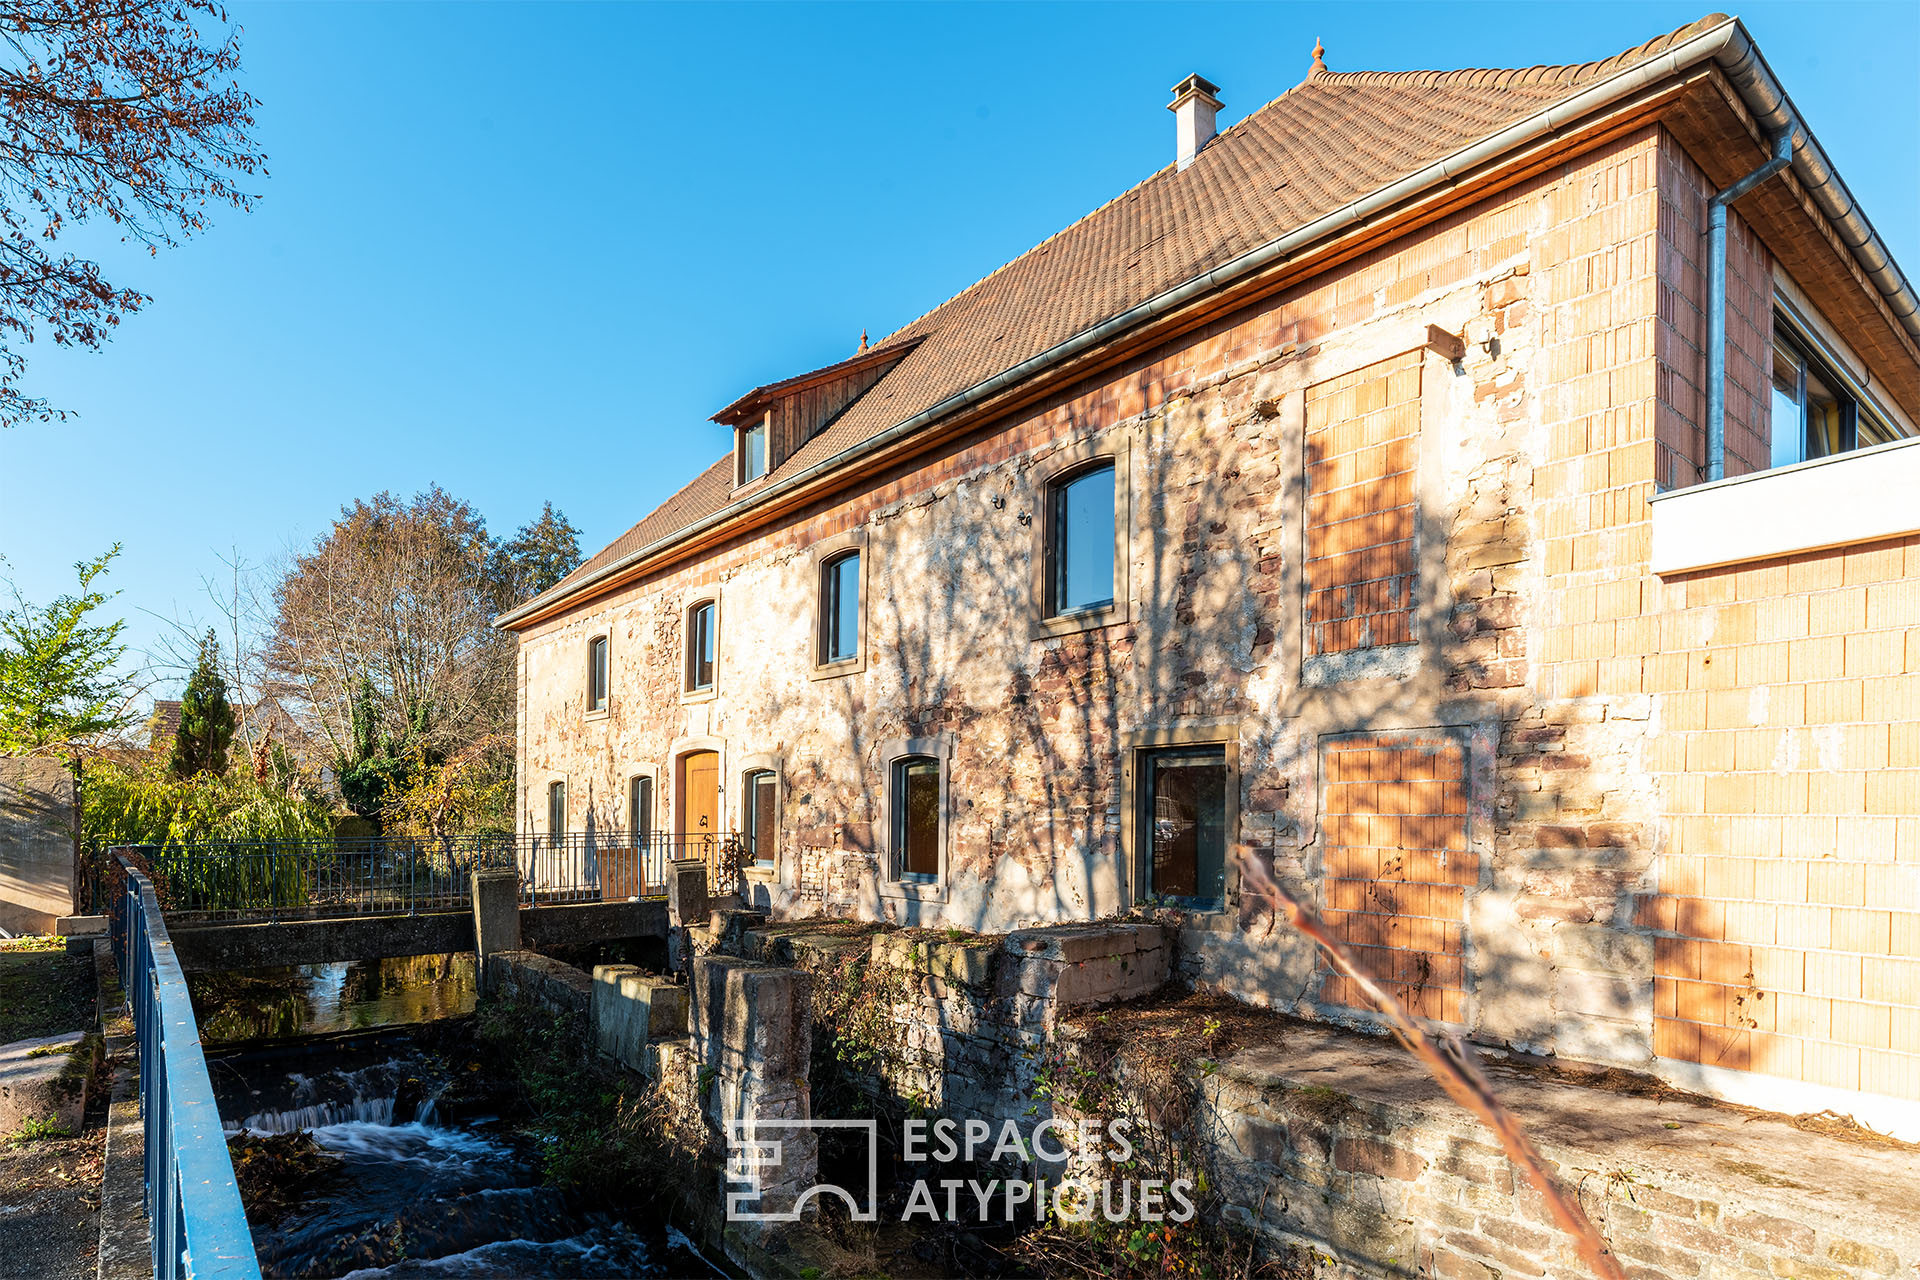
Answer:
(1851, 498)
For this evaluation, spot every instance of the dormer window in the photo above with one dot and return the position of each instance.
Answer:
(753, 451)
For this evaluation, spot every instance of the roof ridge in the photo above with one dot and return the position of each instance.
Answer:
(1502, 77)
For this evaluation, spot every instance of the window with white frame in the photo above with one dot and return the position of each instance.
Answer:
(753, 451)
(556, 808)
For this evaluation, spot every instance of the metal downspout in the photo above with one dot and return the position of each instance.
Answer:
(1717, 300)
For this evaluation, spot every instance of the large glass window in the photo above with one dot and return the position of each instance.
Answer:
(753, 452)
(916, 818)
(1080, 542)
(1183, 825)
(761, 818)
(557, 808)
(701, 646)
(1813, 414)
(840, 608)
(597, 674)
(640, 808)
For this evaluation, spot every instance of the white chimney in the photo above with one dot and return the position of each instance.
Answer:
(1193, 106)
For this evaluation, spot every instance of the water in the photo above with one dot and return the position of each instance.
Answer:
(421, 1175)
(421, 1180)
(255, 1004)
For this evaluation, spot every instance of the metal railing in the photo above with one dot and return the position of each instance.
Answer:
(597, 867)
(193, 1203)
(309, 879)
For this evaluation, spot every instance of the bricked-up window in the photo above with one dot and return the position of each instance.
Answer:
(916, 818)
(702, 645)
(1362, 434)
(557, 808)
(762, 816)
(1080, 541)
(1814, 413)
(840, 608)
(640, 808)
(1183, 823)
(753, 451)
(1394, 820)
(597, 674)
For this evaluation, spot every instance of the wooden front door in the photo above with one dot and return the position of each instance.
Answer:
(700, 794)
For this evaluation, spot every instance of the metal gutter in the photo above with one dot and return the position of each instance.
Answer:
(1728, 44)
(1717, 299)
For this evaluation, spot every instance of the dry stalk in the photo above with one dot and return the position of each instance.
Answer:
(1449, 1061)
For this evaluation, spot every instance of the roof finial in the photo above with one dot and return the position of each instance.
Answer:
(863, 341)
(1319, 66)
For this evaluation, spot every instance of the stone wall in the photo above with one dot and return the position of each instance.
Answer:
(39, 830)
(1511, 625)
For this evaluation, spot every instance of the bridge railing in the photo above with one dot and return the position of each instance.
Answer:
(307, 879)
(199, 1225)
(602, 866)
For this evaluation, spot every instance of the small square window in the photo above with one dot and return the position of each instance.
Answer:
(1080, 541)
(597, 674)
(916, 819)
(702, 646)
(753, 451)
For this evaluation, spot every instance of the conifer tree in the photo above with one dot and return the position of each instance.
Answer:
(206, 718)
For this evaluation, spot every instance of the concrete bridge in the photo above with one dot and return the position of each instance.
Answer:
(205, 945)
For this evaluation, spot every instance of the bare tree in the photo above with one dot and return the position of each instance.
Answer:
(382, 633)
(123, 110)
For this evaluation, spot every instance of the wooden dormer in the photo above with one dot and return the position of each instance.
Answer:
(796, 410)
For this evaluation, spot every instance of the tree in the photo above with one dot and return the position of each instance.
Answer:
(57, 687)
(122, 110)
(535, 558)
(206, 718)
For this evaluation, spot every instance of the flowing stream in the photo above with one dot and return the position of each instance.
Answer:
(419, 1175)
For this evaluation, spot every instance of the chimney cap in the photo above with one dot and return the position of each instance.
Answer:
(1194, 86)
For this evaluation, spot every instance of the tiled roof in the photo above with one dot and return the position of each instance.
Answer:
(1332, 139)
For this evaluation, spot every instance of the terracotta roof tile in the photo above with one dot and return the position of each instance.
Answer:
(1332, 139)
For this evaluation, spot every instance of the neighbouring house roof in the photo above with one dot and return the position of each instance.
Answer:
(1333, 139)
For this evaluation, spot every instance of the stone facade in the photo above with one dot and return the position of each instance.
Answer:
(1387, 541)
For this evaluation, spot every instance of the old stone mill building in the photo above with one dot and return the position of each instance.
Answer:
(1439, 483)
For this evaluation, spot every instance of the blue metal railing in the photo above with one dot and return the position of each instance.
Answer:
(193, 1203)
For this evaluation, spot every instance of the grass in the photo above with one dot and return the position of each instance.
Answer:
(44, 992)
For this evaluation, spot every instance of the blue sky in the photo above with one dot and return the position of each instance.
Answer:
(523, 251)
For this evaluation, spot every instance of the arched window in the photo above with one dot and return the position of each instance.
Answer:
(597, 674)
(703, 643)
(1080, 541)
(640, 809)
